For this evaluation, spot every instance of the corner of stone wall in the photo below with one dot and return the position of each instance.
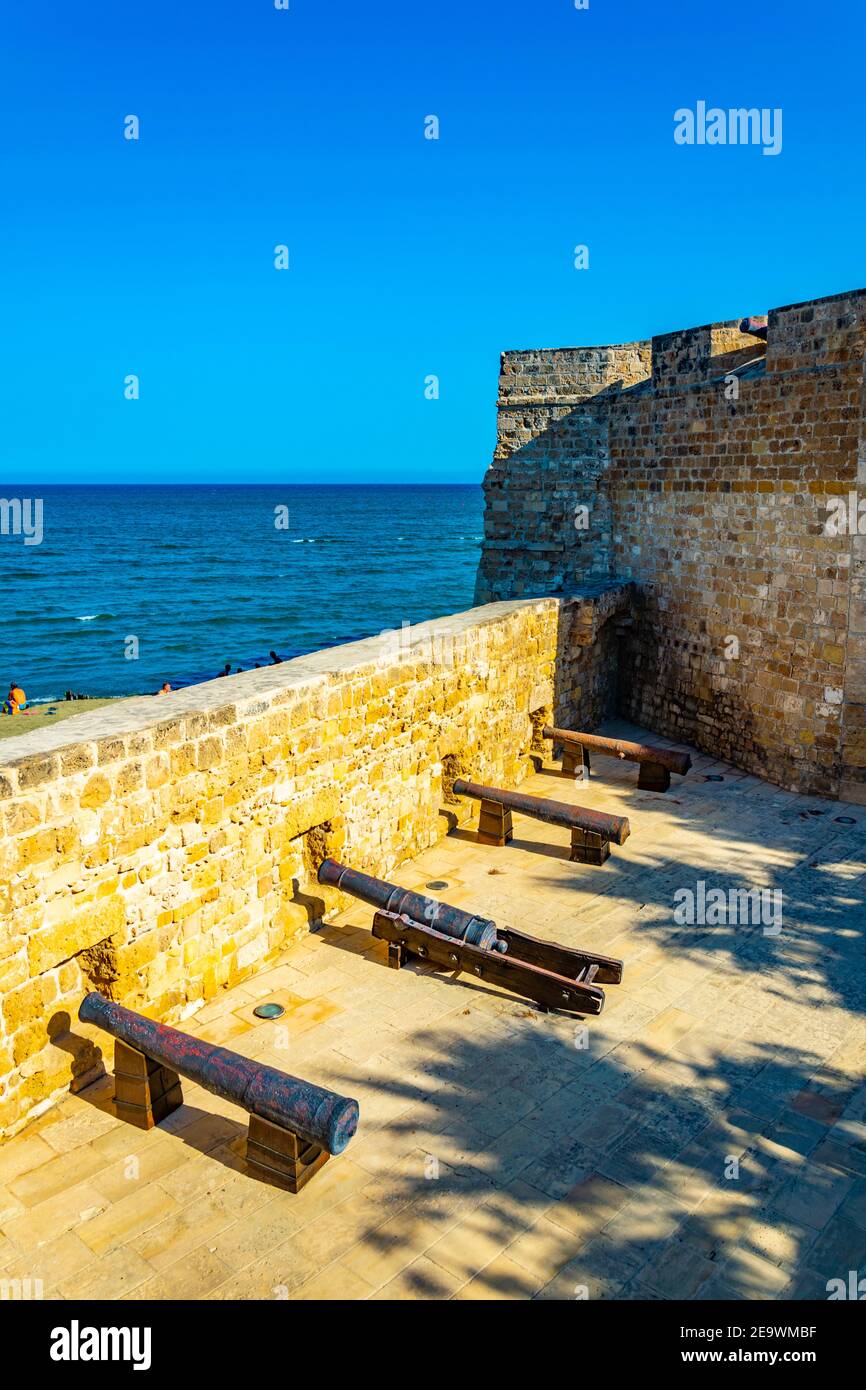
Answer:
(547, 525)
(818, 332)
(853, 692)
(589, 643)
(568, 376)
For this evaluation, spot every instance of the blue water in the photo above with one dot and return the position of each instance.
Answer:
(202, 576)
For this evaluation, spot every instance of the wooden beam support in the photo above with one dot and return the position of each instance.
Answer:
(656, 764)
(575, 762)
(653, 777)
(280, 1156)
(144, 1090)
(494, 824)
(588, 847)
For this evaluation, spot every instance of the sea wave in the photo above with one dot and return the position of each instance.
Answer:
(93, 617)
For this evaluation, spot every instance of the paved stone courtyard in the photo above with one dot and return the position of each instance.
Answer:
(704, 1138)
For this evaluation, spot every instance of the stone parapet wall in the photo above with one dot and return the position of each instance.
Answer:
(720, 510)
(162, 848)
(562, 376)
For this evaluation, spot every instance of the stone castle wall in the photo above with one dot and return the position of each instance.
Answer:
(161, 849)
(552, 449)
(699, 467)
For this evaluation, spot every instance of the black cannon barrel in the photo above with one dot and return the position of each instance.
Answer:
(317, 1115)
(427, 912)
(614, 828)
(622, 748)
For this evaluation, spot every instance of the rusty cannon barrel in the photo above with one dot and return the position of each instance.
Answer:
(427, 912)
(573, 818)
(318, 1116)
(622, 748)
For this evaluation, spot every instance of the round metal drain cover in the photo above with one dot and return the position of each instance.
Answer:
(846, 820)
(269, 1011)
(713, 777)
(437, 883)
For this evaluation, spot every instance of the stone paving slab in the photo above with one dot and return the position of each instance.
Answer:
(705, 1137)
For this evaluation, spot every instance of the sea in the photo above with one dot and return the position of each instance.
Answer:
(131, 586)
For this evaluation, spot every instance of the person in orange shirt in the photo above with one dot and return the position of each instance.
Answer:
(15, 700)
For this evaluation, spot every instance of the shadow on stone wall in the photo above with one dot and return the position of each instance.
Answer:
(588, 643)
(533, 490)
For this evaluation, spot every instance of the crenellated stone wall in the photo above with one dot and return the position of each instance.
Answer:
(162, 848)
(701, 468)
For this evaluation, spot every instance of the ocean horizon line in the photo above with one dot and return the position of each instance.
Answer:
(17, 486)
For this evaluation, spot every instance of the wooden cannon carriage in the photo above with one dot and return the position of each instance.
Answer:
(556, 977)
(591, 831)
(656, 764)
(294, 1127)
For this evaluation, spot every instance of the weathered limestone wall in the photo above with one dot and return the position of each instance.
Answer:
(551, 450)
(163, 848)
(707, 462)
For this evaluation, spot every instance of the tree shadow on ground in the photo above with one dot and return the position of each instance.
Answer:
(721, 1169)
(709, 1141)
(803, 941)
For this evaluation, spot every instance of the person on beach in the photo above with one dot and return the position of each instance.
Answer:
(228, 669)
(165, 689)
(16, 699)
(276, 660)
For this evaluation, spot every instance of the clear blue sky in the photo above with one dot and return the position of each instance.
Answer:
(408, 256)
